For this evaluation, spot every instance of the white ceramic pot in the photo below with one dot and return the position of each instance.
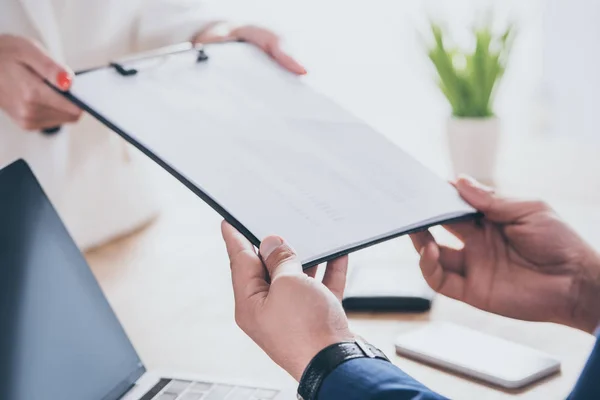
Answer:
(473, 144)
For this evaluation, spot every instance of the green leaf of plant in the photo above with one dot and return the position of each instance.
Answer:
(470, 86)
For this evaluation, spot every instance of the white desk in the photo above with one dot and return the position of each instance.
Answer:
(170, 286)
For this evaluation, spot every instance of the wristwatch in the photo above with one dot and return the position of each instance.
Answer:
(329, 359)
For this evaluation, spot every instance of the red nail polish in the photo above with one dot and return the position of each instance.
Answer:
(64, 80)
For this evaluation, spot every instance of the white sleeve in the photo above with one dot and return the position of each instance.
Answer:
(166, 22)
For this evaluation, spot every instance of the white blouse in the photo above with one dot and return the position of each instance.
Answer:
(101, 186)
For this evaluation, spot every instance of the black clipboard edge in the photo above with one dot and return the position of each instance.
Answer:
(224, 213)
(462, 218)
(198, 192)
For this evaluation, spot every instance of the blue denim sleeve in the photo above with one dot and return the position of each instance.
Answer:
(588, 385)
(372, 379)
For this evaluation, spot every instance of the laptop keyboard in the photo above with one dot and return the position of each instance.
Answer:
(193, 390)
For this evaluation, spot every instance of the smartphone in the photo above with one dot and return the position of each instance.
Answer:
(387, 285)
(468, 352)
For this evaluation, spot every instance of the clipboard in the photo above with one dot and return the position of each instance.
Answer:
(324, 113)
(122, 67)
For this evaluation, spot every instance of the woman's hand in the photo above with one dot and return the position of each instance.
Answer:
(520, 261)
(288, 313)
(263, 38)
(24, 96)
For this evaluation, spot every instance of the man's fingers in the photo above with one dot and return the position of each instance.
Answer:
(279, 258)
(438, 278)
(463, 230)
(496, 208)
(247, 272)
(451, 260)
(420, 239)
(312, 271)
(38, 60)
(335, 276)
(234, 241)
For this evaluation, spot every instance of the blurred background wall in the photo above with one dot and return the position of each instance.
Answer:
(571, 64)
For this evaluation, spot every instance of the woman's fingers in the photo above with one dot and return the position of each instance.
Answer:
(285, 60)
(38, 60)
(270, 43)
(47, 97)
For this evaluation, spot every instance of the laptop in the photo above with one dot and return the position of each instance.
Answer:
(59, 337)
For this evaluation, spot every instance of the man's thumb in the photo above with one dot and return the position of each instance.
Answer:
(494, 207)
(279, 258)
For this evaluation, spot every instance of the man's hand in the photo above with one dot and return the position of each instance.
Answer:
(23, 94)
(263, 38)
(288, 313)
(520, 261)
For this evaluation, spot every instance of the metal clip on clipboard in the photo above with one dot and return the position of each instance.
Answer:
(159, 54)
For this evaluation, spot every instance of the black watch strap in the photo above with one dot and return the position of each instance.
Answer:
(329, 359)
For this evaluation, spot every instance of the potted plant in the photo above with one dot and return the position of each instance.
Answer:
(469, 81)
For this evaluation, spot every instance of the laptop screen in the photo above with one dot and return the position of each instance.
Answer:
(59, 338)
